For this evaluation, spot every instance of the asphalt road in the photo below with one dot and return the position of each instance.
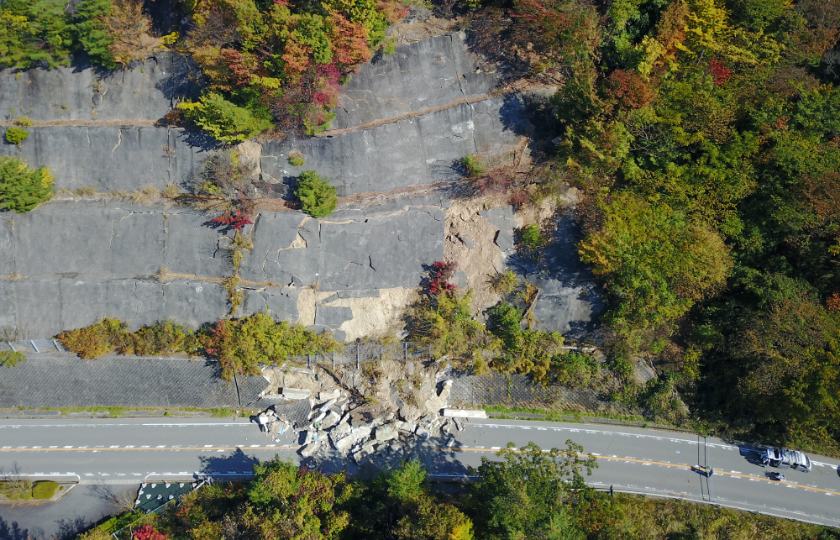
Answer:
(630, 460)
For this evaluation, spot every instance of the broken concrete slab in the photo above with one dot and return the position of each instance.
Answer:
(572, 309)
(332, 316)
(502, 218)
(333, 394)
(386, 433)
(464, 413)
(311, 448)
(330, 420)
(295, 393)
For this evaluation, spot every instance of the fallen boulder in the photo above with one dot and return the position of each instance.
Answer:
(387, 432)
(295, 393)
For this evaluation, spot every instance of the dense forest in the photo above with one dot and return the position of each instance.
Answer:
(527, 494)
(705, 137)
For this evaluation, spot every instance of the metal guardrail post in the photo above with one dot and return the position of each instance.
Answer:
(9, 343)
(405, 351)
(333, 359)
(358, 360)
(308, 361)
(32, 341)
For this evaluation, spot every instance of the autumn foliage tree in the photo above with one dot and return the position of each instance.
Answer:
(280, 63)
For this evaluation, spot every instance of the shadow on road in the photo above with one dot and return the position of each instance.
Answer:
(231, 465)
(11, 531)
(752, 453)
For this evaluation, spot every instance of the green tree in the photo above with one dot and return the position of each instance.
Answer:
(104, 337)
(16, 135)
(525, 494)
(224, 120)
(317, 197)
(287, 502)
(397, 504)
(92, 33)
(446, 323)
(22, 188)
(656, 263)
(242, 345)
(35, 32)
(783, 357)
(11, 358)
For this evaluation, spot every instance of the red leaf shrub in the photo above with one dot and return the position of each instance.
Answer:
(146, 532)
(719, 73)
(233, 221)
(439, 277)
(833, 303)
(628, 88)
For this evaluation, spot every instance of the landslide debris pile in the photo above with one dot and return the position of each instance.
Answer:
(384, 410)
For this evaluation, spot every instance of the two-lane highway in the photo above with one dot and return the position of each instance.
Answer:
(630, 460)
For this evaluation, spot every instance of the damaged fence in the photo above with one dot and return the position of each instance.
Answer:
(511, 390)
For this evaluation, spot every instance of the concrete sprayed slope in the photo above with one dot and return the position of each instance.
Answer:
(409, 152)
(407, 116)
(421, 75)
(66, 265)
(67, 381)
(110, 158)
(146, 92)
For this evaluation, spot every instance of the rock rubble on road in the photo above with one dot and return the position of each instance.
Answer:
(340, 423)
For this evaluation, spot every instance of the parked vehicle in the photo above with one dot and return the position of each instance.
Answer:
(782, 458)
(777, 476)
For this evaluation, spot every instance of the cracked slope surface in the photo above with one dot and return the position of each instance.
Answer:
(68, 264)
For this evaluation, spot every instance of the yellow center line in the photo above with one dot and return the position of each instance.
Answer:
(442, 448)
(676, 465)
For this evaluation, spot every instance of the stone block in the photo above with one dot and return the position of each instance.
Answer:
(330, 420)
(310, 448)
(295, 393)
(333, 394)
(386, 433)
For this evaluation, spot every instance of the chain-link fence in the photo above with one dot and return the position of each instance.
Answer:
(515, 390)
(510, 390)
(354, 355)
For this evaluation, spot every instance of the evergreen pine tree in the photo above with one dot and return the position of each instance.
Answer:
(91, 31)
(22, 188)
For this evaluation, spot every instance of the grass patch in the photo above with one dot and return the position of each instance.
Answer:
(561, 416)
(44, 490)
(16, 490)
(116, 412)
